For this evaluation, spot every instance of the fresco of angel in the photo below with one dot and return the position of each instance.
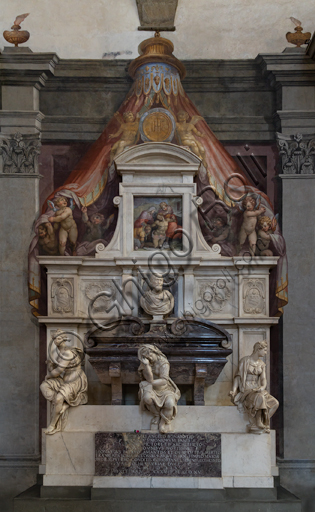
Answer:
(186, 131)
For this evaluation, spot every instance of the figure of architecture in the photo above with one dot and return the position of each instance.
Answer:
(156, 301)
(68, 227)
(251, 212)
(65, 384)
(187, 131)
(249, 390)
(158, 393)
(95, 228)
(129, 126)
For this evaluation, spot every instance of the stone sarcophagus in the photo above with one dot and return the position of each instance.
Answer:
(196, 349)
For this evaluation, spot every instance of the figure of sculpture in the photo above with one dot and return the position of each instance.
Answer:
(65, 384)
(128, 130)
(156, 301)
(158, 393)
(249, 390)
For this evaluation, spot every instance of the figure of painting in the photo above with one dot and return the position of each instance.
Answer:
(157, 223)
(47, 240)
(266, 228)
(187, 131)
(95, 226)
(252, 210)
(219, 232)
(129, 126)
(68, 228)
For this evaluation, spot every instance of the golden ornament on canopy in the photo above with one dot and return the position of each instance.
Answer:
(156, 49)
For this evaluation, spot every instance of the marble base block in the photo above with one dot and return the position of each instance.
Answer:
(69, 456)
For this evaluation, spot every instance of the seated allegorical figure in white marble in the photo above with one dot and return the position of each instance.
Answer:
(156, 301)
(65, 384)
(249, 390)
(158, 393)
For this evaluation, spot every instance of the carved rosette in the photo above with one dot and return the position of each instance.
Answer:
(297, 153)
(62, 296)
(19, 154)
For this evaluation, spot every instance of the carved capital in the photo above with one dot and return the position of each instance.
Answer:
(19, 154)
(297, 153)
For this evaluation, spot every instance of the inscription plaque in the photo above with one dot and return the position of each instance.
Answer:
(142, 454)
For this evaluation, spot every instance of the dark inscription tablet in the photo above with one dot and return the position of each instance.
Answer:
(131, 454)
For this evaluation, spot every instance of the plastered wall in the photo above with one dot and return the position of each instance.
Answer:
(205, 29)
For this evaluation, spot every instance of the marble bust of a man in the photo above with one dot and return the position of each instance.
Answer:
(156, 301)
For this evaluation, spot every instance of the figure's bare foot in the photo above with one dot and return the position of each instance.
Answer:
(155, 420)
(164, 427)
(50, 430)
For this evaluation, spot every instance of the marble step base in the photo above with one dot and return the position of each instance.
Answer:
(86, 499)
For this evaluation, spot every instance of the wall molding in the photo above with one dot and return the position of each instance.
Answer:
(20, 461)
(296, 464)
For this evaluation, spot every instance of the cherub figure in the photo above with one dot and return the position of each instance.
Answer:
(186, 131)
(47, 241)
(251, 212)
(95, 228)
(128, 130)
(266, 228)
(68, 227)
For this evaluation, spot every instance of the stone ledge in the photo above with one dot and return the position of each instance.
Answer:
(137, 500)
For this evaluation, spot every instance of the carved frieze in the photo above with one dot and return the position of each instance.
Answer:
(19, 154)
(62, 295)
(297, 153)
(254, 296)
